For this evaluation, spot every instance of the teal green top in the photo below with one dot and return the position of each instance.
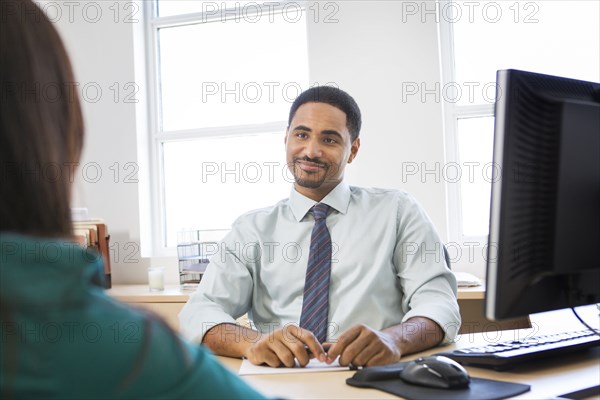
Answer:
(63, 337)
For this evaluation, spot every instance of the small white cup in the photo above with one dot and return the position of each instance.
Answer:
(156, 279)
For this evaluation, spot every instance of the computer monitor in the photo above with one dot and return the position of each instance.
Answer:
(544, 242)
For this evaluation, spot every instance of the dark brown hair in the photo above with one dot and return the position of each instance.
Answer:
(41, 126)
(41, 138)
(334, 97)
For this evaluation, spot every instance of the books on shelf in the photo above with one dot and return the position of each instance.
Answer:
(93, 233)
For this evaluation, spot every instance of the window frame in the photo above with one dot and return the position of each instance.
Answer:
(156, 137)
(452, 112)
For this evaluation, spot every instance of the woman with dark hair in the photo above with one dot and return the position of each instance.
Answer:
(62, 336)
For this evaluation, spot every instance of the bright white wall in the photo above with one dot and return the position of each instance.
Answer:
(100, 43)
(370, 52)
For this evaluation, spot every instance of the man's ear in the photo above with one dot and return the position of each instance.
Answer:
(354, 149)
(286, 135)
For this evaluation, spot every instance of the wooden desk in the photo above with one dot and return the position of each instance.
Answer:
(174, 294)
(548, 379)
(168, 304)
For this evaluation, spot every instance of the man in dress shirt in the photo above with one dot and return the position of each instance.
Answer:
(391, 292)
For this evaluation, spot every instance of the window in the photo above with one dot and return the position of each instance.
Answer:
(479, 37)
(223, 76)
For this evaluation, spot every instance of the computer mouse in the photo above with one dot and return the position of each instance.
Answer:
(436, 372)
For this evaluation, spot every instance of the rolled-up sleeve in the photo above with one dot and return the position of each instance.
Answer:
(223, 295)
(430, 288)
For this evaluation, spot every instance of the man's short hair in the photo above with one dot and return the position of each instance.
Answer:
(334, 97)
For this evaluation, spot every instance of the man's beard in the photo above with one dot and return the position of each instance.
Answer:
(312, 181)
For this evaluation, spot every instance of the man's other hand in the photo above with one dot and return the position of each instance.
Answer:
(284, 346)
(362, 346)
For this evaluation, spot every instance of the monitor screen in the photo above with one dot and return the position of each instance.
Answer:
(544, 242)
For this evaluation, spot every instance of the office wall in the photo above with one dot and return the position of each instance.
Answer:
(100, 43)
(375, 51)
(369, 50)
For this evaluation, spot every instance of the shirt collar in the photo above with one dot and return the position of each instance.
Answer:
(338, 199)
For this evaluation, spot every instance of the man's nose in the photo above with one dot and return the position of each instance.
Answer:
(313, 149)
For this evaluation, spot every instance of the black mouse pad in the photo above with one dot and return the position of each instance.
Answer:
(484, 389)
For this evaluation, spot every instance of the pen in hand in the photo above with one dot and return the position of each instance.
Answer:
(326, 347)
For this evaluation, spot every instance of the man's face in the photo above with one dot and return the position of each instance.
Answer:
(318, 147)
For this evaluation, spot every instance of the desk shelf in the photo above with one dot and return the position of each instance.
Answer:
(174, 293)
(142, 294)
(194, 248)
(193, 261)
(169, 302)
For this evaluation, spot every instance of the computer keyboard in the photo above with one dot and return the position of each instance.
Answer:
(504, 355)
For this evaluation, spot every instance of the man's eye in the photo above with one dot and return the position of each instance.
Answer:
(301, 135)
(329, 140)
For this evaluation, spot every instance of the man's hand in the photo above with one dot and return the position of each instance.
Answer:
(363, 346)
(284, 346)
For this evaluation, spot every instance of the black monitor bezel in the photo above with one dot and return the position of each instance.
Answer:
(554, 286)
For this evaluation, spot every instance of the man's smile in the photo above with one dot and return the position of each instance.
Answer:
(310, 166)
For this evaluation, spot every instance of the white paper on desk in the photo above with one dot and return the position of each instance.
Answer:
(465, 279)
(314, 365)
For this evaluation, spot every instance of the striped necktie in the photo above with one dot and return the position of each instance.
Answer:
(315, 307)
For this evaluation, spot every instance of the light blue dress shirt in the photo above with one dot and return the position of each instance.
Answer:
(387, 266)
